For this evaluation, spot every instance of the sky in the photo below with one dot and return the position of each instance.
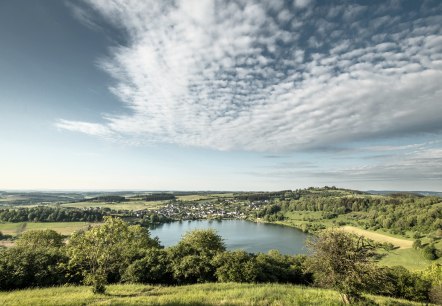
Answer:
(220, 95)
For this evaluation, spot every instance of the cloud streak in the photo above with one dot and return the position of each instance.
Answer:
(267, 76)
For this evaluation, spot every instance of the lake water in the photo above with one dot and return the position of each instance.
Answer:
(239, 234)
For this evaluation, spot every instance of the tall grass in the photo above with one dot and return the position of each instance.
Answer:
(201, 294)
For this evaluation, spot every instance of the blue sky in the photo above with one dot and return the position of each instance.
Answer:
(220, 95)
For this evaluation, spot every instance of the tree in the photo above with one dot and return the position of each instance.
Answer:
(344, 262)
(40, 238)
(192, 256)
(276, 267)
(103, 253)
(153, 268)
(236, 266)
(433, 274)
(401, 283)
(429, 252)
(417, 244)
(25, 266)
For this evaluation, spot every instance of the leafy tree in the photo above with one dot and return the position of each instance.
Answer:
(344, 262)
(192, 256)
(429, 252)
(236, 266)
(433, 274)
(276, 267)
(153, 268)
(401, 283)
(102, 253)
(40, 238)
(25, 266)
(417, 244)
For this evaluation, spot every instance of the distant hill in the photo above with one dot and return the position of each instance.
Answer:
(422, 193)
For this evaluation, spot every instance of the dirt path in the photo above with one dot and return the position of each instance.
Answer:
(401, 243)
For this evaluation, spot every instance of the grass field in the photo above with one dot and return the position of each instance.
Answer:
(130, 205)
(64, 228)
(378, 237)
(202, 294)
(409, 258)
(193, 197)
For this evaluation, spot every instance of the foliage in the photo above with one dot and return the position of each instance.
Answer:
(4, 236)
(429, 252)
(236, 266)
(153, 268)
(158, 197)
(102, 253)
(25, 266)
(50, 214)
(433, 274)
(192, 256)
(344, 262)
(107, 198)
(399, 282)
(396, 214)
(276, 267)
(40, 238)
(417, 244)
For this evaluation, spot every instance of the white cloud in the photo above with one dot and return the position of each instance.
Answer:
(94, 129)
(302, 3)
(227, 75)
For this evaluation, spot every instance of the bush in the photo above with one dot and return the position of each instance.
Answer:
(236, 266)
(22, 267)
(430, 252)
(402, 283)
(417, 244)
(275, 267)
(153, 268)
(192, 257)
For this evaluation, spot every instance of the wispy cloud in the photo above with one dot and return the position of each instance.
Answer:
(421, 166)
(267, 76)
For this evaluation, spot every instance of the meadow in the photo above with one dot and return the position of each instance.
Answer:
(200, 294)
(129, 205)
(64, 228)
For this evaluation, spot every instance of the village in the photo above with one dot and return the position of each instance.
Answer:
(195, 210)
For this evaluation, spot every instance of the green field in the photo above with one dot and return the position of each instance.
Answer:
(202, 294)
(409, 258)
(129, 205)
(64, 228)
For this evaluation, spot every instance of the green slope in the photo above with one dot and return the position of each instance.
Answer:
(202, 294)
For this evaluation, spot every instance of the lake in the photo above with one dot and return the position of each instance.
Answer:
(239, 234)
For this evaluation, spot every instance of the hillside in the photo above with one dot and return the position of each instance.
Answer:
(201, 294)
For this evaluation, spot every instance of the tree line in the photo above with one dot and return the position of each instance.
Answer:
(118, 252)
(397, 214)
(51, 214)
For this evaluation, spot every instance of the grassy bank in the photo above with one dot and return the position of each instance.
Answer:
(203, 294)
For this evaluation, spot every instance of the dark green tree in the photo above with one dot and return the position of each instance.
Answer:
(236, 266)
(192, 256)
(31, 266)
(153, 268)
